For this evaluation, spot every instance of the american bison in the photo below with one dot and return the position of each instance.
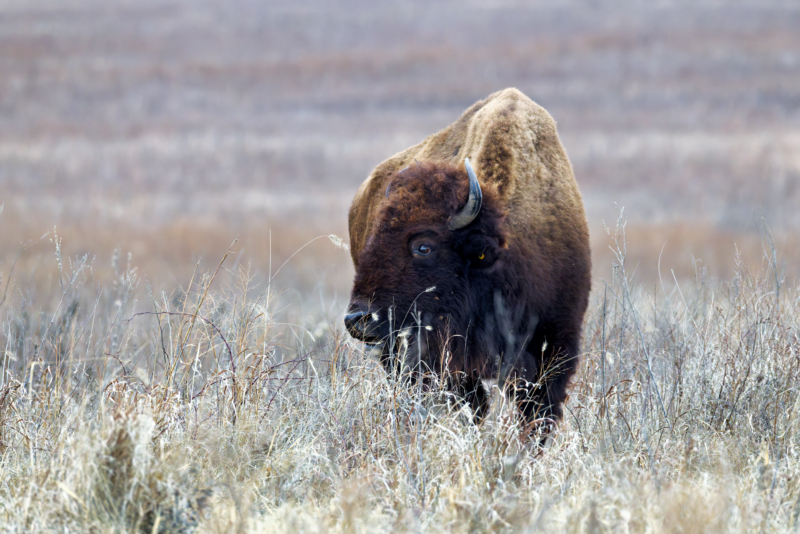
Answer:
(476, 273)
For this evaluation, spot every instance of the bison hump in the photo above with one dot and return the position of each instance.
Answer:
(513, 145)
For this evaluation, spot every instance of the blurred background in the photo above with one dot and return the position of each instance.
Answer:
(164, 129)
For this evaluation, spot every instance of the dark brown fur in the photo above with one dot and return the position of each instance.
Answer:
(518, 314)
(487, 316)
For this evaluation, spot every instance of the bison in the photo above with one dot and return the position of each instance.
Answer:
(476, 273)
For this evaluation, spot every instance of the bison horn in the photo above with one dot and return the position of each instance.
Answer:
(473, 207)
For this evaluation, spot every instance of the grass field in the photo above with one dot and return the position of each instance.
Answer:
(171, 301)
(228, 406)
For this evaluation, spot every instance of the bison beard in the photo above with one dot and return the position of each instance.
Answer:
(462, 302)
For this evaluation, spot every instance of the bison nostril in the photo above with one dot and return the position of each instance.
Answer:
(354, 322)
(359, 322)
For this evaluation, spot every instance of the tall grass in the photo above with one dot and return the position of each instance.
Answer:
(218, 407)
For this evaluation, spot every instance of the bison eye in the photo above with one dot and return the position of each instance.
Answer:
(422, 250)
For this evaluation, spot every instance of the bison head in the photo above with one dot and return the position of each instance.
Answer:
(426, 277)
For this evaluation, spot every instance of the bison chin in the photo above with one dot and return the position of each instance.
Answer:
(409, 349)
(406, 354)
(421, 352)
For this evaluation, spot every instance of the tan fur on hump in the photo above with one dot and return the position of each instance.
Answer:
(513, 144)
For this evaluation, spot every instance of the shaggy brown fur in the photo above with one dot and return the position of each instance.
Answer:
(421, 201)
(518, 310)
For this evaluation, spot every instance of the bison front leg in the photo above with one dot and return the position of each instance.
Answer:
(523, 387)
(539, 379)
(470, 389)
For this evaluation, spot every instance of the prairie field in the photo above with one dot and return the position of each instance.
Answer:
(175, 177)
(226, 406)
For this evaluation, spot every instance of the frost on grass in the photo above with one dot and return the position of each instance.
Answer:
(126, 409)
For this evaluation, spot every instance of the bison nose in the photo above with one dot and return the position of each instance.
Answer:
(360, 322)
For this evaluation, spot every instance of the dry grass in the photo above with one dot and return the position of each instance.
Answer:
(684, 251)
(220, 408)
(157, 392)
(167, 252)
